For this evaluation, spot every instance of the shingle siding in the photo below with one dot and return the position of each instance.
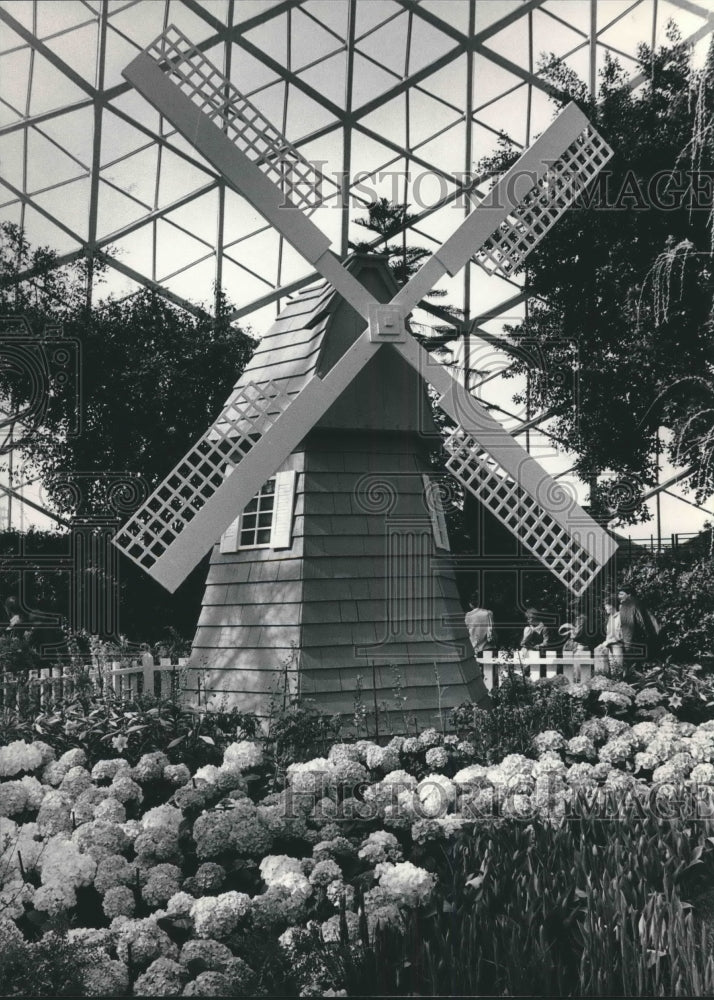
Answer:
(326, 606)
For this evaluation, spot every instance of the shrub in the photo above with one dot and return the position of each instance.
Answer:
(50, 967)
(520, 710)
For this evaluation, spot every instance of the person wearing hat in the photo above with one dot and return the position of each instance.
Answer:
(536, 634)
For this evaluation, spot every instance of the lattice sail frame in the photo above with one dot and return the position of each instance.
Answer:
(559, 549)
(188, 487)
(222, 102)
(172, 531)
(552, 195)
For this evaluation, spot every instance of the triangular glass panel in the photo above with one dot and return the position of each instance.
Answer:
(388, 46)
(50, 88)
(328, 77)
(137, 249)
(116, 210)
(22, 12)
(175, 249)
(248, 73)
(305, 116)
(453, 12)
(46, 164)
(512, 43)
(270, 104)
(136, 175)
(389, 120)
(12, 154)
(40, 231)
(374, 13)
(309, 41)
(199, 216)
(427, 116)
(635, 27)
(178, 177)
(78, 48)
(71, 208)
(427, 44)
(119, 138)
(551, 35)
(489, 14)
(334, 15)
(74, 130)
(490, 81)
(53, 17)
(370, 82)
(508, 113)
(447, 151)
(137, 108)
(140, 26)
(271, 38)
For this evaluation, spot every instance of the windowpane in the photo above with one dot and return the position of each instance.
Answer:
(257, 520)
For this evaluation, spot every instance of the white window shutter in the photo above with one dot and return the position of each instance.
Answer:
(229, 538)
(281, 536)
(432, 497)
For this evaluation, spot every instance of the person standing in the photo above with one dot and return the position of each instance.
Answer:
(639, 627)
(479, 622)
(609, 654)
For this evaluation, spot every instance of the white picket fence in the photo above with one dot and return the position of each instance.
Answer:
(535, 665)
(41, 688)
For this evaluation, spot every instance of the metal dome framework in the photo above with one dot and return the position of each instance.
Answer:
(392, 98)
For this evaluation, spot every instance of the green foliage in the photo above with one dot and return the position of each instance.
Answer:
(301, 732)
(586, 907)
(624, 327)
(108, 728)
(153, 378)
(679, 588)
(519, 711)
(49, 967)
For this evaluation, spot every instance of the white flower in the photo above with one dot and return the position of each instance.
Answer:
(150, 767)
(107, 770)
(648, 696)
(274, 868)
(435, 794)
(54, 898)
(62, 863)
(164, 881)
(330, 929)
(618, 701)
(645, 761)
(17, 757)
(143, 939)
(407, 884)
(309, 778)
(435, 829)
(615, 751)
(163, 978)
(550, 739)
(429, 738)
(325, 872)
(218, 916)
(549, 764)
(581, 746)
(380, 846)
(244, 755)
(54, 815)
(177, 775)
(436, 757)
(114, 870)
(473, 775)
(13, 798)
(119, 901)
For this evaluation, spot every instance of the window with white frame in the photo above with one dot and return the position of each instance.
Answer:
(267, 520)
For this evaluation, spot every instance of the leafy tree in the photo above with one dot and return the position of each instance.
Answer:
(152, 377)
(623, 282)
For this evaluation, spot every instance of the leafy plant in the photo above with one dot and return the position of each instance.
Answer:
(519, 711)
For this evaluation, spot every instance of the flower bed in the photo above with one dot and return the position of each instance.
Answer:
(233, 878)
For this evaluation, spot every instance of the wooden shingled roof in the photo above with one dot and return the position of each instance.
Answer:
(291, 351)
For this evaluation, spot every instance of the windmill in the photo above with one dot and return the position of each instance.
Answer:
(251, 462)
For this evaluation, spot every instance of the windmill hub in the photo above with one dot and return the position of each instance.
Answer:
(387, 323)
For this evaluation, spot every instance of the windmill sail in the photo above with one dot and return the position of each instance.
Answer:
(262, 423)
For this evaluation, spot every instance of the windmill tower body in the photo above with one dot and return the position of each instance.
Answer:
(356, 588)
